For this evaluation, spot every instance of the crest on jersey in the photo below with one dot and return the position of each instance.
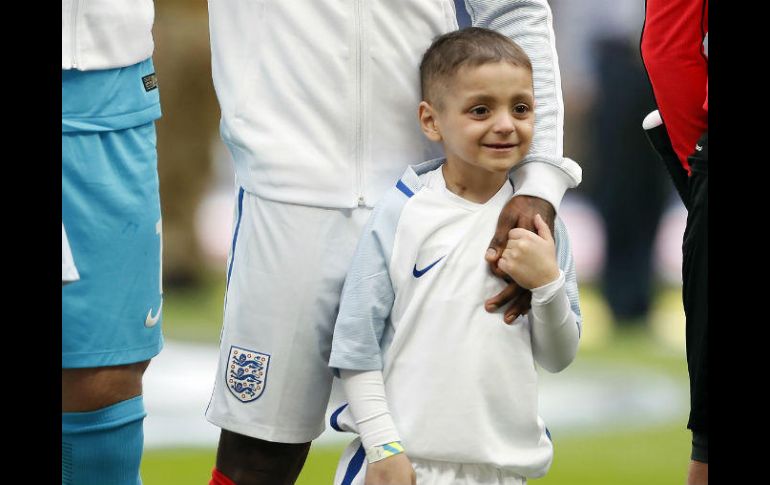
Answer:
(246, 373)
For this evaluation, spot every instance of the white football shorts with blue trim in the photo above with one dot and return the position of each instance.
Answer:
(111, 209)
(285, 272)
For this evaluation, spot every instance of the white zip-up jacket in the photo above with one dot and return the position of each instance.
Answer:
(105, 34)
(319, 97)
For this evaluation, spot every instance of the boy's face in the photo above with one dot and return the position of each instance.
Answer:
(485, 118)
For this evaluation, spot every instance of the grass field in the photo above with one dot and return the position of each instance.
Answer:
(626, 455)
(655, 456)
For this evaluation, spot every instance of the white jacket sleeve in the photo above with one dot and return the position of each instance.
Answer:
(544, 172)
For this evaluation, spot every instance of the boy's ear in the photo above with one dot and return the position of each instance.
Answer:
(427, 116)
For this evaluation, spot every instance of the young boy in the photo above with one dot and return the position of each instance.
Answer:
(439, 390)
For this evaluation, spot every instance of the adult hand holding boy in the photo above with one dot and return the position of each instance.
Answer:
(519, 212)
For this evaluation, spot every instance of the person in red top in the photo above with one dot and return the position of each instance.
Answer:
(674, 49)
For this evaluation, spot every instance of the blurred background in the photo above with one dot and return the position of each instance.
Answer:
(617, 415)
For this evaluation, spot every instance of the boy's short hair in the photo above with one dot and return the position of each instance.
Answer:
(472, 46)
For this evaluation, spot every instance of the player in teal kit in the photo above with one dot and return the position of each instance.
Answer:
(111, 315)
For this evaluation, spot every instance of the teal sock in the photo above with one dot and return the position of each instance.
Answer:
(103, 447)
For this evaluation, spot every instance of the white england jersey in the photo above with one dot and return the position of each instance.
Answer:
(461, 385)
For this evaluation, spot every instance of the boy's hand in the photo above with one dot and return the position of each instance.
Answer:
(529, 258)
(518, 212)
(393, 470)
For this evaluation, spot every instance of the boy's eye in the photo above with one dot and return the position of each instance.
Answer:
(521, 109)
(479, 110)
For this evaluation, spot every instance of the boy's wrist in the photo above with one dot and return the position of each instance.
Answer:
(380, 452)
(551, 277)
(545, 293)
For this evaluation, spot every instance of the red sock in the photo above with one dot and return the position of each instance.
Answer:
(219, 478)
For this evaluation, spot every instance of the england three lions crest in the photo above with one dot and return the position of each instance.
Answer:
(246, 373)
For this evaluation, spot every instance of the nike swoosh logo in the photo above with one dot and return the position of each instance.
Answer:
(151, 321)
(419, 272)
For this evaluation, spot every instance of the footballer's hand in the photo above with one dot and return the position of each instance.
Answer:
(519, 212)
(393, 470)
(530, 258)
(518, 298)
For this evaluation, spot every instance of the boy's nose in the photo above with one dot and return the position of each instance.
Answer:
(504, 124)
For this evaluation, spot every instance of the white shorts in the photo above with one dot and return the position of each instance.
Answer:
(351, 470)
(286, 269)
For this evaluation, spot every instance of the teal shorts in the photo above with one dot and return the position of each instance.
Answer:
(111, 211)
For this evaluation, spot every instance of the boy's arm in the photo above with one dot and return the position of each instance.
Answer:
(544, 264)
(555, 332)
(365, 391)
(367, 295)
(555, 315)
(365, 305)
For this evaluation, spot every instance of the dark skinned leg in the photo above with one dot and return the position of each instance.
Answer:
(97, 387)
(251, 461)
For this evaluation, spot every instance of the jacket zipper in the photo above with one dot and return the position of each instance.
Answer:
(74, 33)
(360, 106)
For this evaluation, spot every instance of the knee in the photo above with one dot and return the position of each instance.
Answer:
(97, 387)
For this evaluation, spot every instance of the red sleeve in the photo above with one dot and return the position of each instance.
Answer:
(219, 478)
(672, 50)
